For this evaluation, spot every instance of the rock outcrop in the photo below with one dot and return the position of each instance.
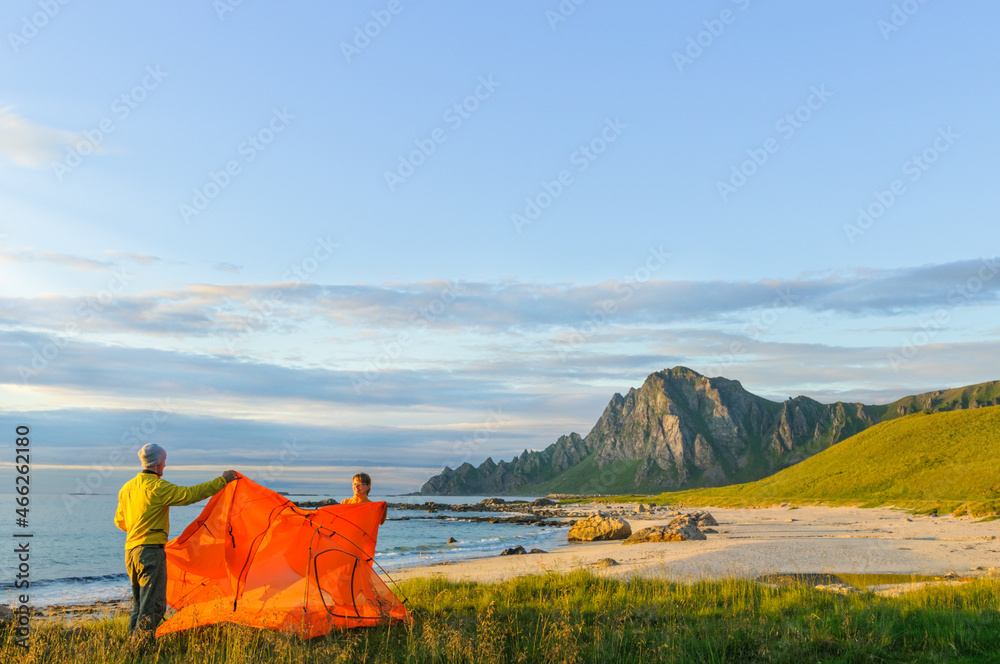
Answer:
(599, 528)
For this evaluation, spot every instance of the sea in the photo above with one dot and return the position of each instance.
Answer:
(77, 554)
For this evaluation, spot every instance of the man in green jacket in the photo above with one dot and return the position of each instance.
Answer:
(144, 514)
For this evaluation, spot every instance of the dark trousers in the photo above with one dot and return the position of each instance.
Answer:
(147, 570)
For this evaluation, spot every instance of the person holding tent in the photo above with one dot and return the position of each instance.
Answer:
(254, 558)
(144, 514)
(362, 485)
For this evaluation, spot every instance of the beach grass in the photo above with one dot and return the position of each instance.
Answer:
(582, 617)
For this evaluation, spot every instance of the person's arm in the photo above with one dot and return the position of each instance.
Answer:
(120, 515)
(172, 494)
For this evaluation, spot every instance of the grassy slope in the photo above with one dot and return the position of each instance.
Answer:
(944, 461)
(586, 477)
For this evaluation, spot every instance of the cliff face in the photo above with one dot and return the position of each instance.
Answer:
(682, 430)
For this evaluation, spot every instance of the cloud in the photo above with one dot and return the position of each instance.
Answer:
(141, 259)
(77, 262)
(337, 355)
(389, 310)
(112, 437)
(534, 386)
(142, 372)
(32, 145)
(62, 260)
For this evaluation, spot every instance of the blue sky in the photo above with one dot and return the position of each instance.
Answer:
(406, 235)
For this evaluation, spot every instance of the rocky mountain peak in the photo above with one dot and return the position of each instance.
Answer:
(681, 430)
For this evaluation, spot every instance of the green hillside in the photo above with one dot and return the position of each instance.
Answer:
(940, 462)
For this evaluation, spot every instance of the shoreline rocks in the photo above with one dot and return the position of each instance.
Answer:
(599, 528)
(682, 528)
(519, 551)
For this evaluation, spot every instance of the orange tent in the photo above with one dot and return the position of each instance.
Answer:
(255, 559)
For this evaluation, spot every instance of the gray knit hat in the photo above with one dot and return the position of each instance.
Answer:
(151, 454)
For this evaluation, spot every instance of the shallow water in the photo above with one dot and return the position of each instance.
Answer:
(77, 554)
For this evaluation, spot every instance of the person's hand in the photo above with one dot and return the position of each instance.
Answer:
(229, 476)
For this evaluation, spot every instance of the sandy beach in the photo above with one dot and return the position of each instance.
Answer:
(752, 542)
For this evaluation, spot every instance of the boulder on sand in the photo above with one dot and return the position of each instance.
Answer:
(519, 551)
(598, 529)
(704, 519)
(672, 533)
(698, 519)
(514, 551)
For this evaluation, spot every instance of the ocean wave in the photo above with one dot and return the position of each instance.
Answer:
(70, 580)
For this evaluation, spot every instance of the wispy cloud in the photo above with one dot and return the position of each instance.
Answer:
(141, 259)
(62, 260)
(116, 370)
(77, 262)
(209, 310)
(31, 145)
(529, 382)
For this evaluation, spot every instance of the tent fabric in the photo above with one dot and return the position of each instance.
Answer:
(255, 559)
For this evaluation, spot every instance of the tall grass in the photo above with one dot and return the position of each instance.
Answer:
(580, 617)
